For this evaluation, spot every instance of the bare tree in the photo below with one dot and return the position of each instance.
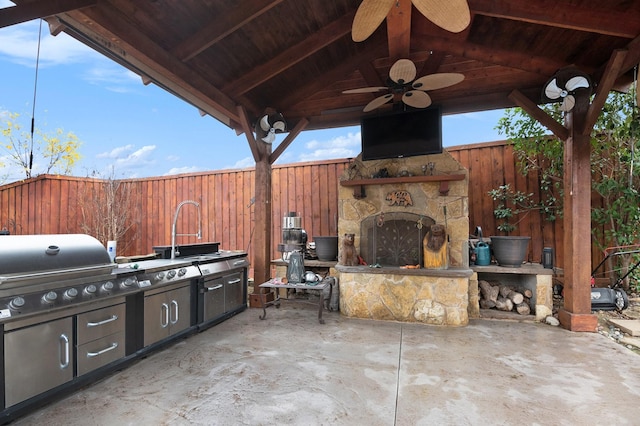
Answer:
(108, 211)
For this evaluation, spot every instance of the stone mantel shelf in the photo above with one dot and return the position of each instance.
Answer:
(444, 180)
(391, 270)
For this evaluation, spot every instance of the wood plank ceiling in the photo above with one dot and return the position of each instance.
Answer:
(298, 56)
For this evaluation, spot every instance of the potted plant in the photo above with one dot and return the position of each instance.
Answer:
(510, 250)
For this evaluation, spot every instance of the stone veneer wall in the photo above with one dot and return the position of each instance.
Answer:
(426, 198)
(438, 299)
(429, 296)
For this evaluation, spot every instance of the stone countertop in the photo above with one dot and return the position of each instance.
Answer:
(393, 270)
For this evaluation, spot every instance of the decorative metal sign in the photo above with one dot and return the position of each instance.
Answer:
(399, 198)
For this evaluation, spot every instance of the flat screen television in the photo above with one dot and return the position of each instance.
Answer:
(402, 134)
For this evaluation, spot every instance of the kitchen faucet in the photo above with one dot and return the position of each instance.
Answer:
(174, 251)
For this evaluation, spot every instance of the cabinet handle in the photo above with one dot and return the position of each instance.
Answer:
(164, 315)
(110, 348)
(103, 322)
(175, 304)
(236, 281)
(238, 262)
(64, 351)
(217, 287)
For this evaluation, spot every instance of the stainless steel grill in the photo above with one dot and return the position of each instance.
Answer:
(41, 273)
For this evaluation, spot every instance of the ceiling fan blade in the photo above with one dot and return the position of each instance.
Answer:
(269, 137)
(451, 15)
(264, 123)
(576, 83)
(438, 81)
(552, 91)
(403, 71)
(364, 90)
(279, 125)
(567, 103)
(369, 16)
(416, 99)
(378, 102)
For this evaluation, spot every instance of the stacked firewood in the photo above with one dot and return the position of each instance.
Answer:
(495, 295)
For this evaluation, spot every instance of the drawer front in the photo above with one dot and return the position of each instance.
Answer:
(100, 323)
(100, 352)
(213, 298)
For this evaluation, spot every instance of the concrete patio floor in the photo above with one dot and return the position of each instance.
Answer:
(289, 369)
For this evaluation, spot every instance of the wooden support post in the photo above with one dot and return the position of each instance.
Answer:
(576, 314)
(262, 215)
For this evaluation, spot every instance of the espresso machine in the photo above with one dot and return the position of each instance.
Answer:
(294, 238)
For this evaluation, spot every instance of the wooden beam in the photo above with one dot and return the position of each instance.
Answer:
(291, 56)
(300, 126)
(248, 131)
(368, 53)
(611, 73)
(600, 19)
(536, 112)
(39, 9)
(399, 30)
(576, 314)
(221, 27)
(457, 46)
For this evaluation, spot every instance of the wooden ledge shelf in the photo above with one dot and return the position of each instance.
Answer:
(444, 180)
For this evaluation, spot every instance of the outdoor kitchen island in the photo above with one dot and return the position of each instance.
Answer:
(73, 320)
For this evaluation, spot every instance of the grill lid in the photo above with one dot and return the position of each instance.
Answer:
(31, 254)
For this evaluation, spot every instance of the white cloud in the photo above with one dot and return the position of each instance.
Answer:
(20, 44)
(139, 158)
(245, 163)
(344, 146)
(116, 152)
(180, 170)
(113, 77)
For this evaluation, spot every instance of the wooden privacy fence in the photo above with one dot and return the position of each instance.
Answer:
(61, 204)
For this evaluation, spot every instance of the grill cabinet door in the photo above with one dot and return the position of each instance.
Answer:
(234, 293)
(37, 358)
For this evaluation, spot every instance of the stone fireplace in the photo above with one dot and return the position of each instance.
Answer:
(390, 206)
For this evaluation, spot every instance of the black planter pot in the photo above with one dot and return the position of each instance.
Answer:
(510, 251)
(326, 248)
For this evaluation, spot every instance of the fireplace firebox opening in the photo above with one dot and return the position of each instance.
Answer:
(394, 239)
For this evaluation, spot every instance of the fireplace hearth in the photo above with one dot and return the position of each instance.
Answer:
(390, 220)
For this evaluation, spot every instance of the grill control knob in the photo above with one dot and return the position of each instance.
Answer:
(159, 276)
(129, 282)
(50, 297)
(90, 289)
(17, 303)
(182, 271)
(70, 293)
(171, 274)
(108, 286)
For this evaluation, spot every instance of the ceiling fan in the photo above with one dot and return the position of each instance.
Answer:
(451, 15)
(402, 80)
(563, 86)
(270, 124)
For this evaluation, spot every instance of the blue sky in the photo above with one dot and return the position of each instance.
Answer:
(128, 129)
